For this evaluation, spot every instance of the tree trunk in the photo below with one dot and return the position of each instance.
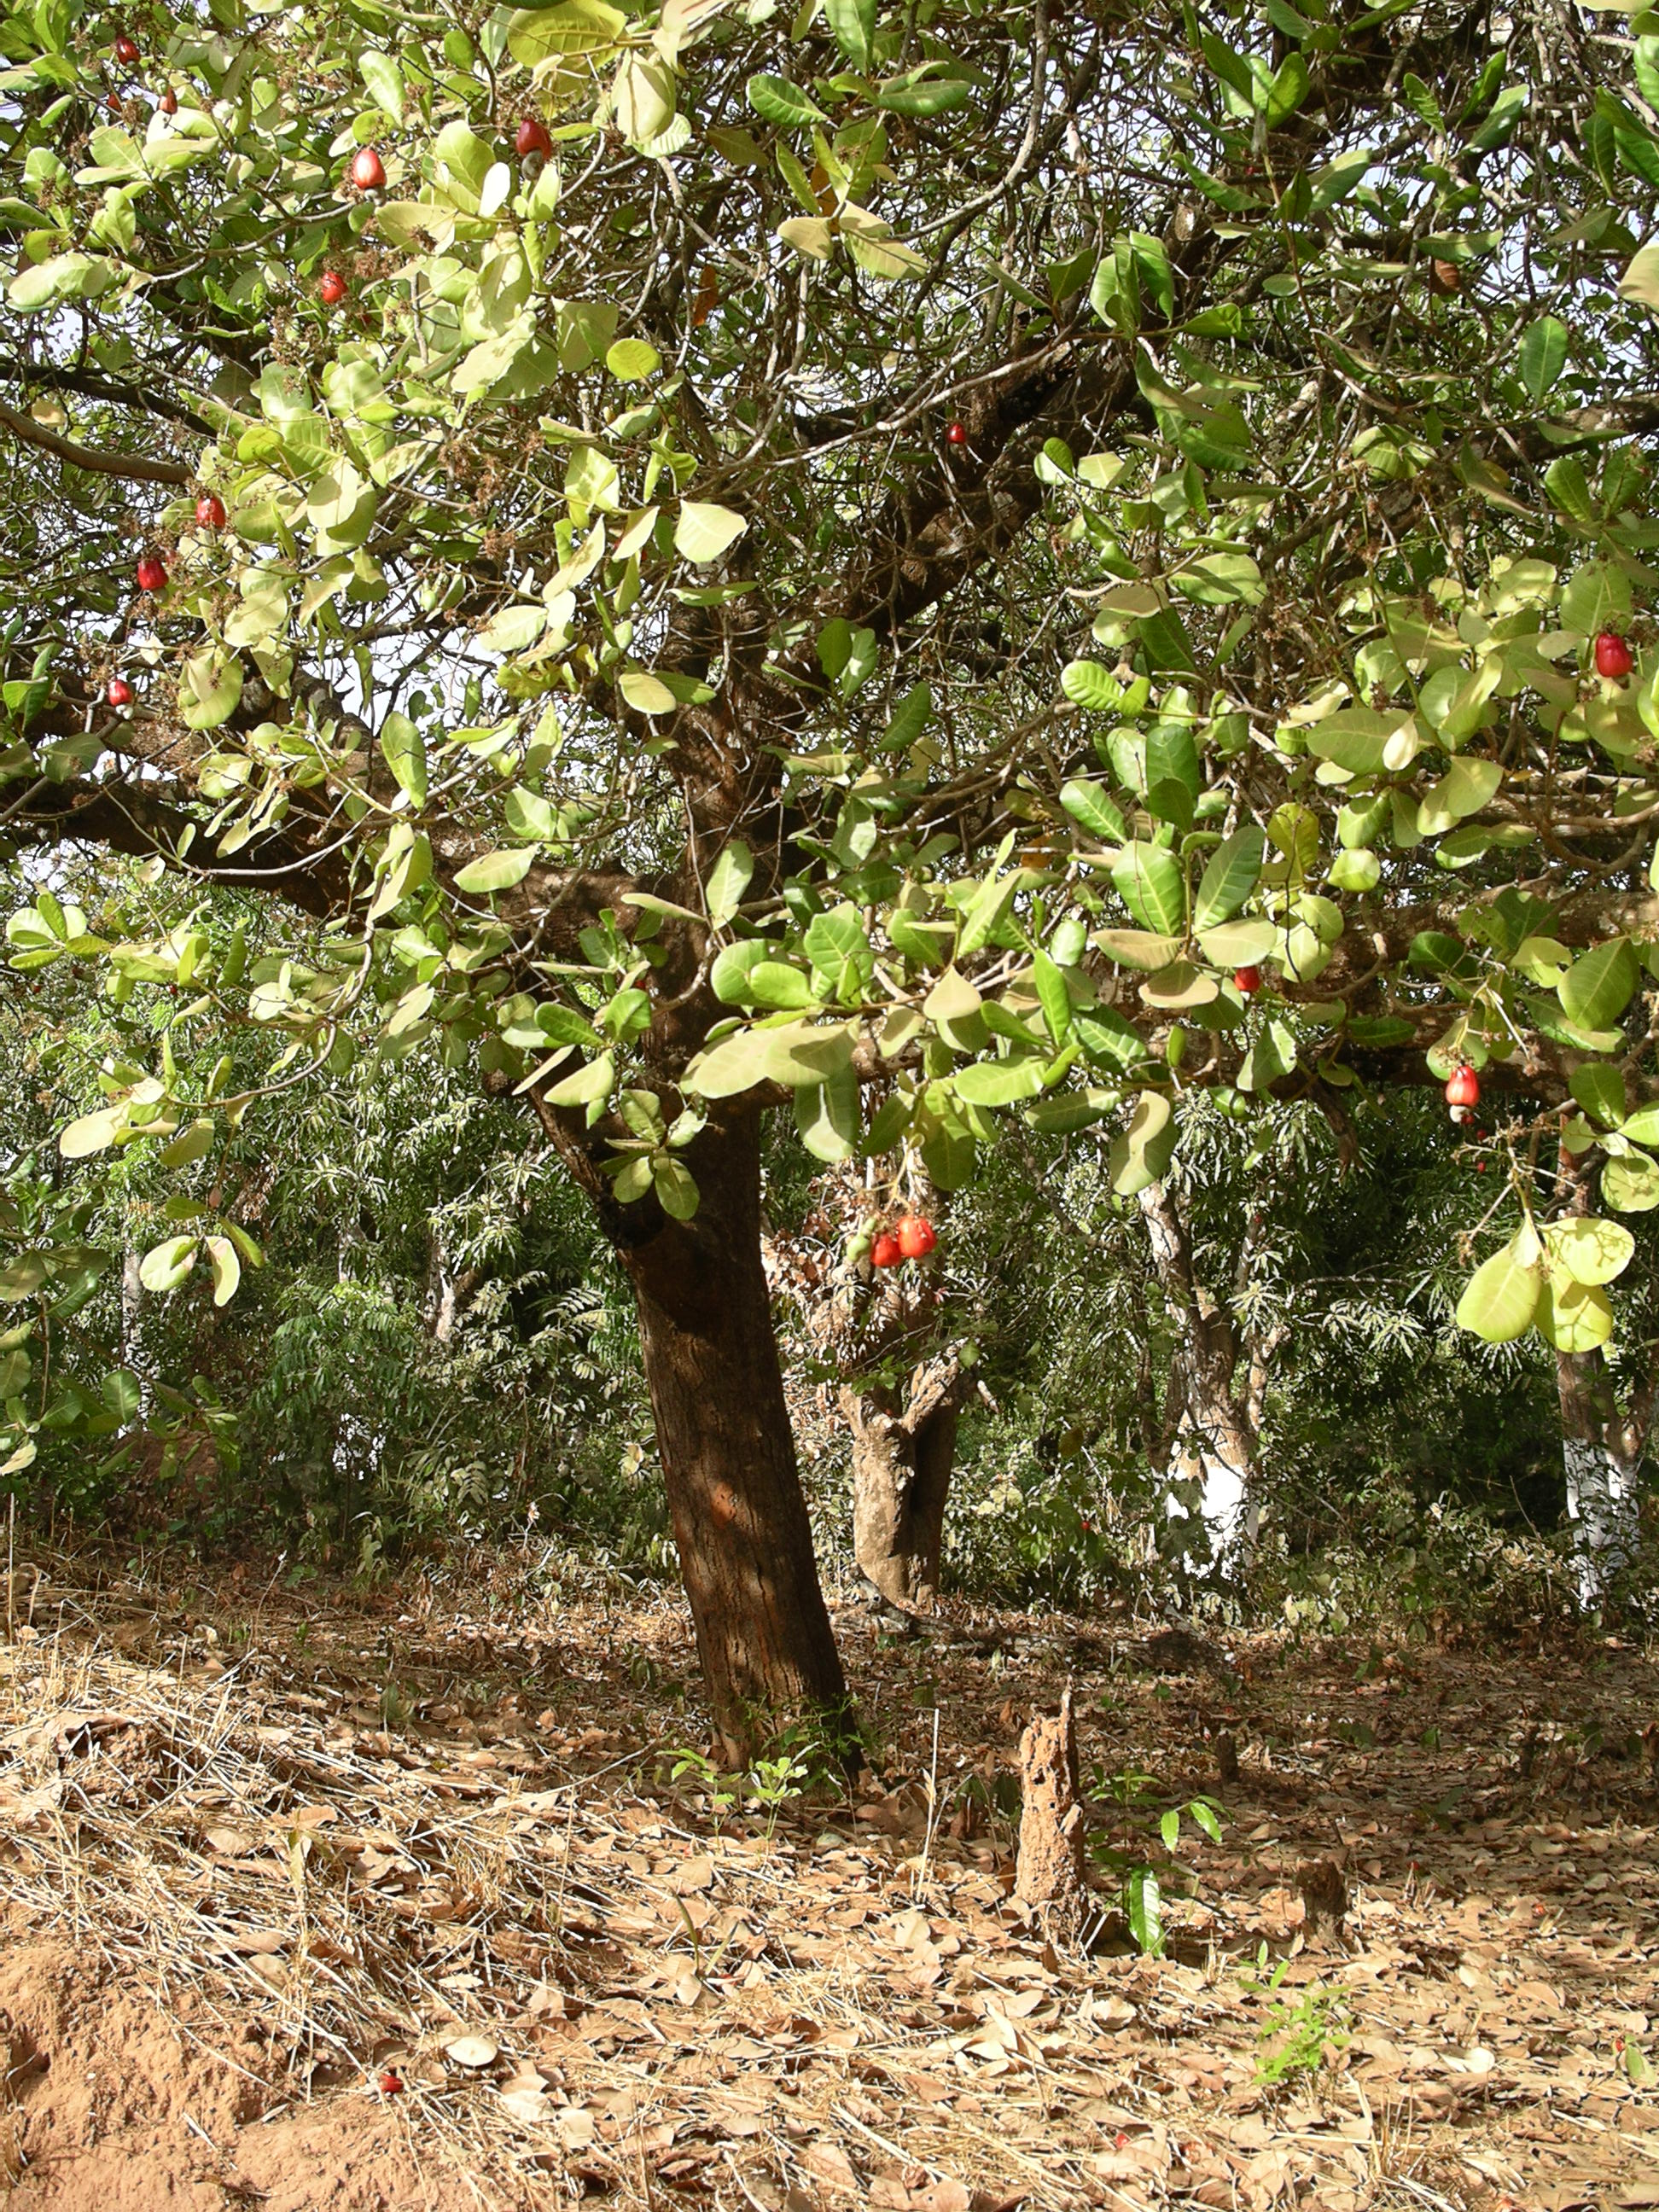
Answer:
(1602, 1449)
(902, 1468)
(1209, 1435)
(1600, 1472)
(728, 1456)
(1048, 1874)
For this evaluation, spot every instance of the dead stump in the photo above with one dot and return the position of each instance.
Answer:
(1049, 1878)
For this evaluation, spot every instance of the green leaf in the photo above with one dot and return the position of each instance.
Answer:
(998, 1082)
(1144, 1909)
(1543, 356)
(827, 1116)
(1053, 997)
(843, 957)
(1599, 1090)
(193, 1142)
(776, 100)
(1574, 1316)
(675, 1185)
(703, 532)
(496, 871)
(22, 1277)
(732, 966)
(1149, 881)
(645, 693)
(1143, 1151)
(801, 1053)
(577, 27)
(404, 753)
(1629, 1184)
(1640, 281)
(728, 879)
(631, 361)
(1088, 803)
(1588, 1249)
(591, 1083)
(165, 1266)
(209, 690)
(1231, 875)
(385, 81)
(1599, 986)
(780, 985)
(227, 1269)
(1239, 943)
(853, 23)
(1087, 683)
(1500, 1298)
(91, 1132)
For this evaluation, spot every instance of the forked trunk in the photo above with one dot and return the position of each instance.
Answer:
(902, 1468)
(728, 1456)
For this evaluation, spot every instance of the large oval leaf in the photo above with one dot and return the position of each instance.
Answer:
(1149, 881)
(1589, 1251)
(1230, 877)
(1501, 1298)
(1599, 986)
(1574, 1316)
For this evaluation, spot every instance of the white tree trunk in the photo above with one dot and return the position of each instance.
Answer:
(1601, 1506)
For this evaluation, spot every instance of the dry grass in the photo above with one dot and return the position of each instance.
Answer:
(338, 1836)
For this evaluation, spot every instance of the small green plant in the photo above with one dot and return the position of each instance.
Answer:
(1142, 1892)
(1296, 2038)
(705, 1776)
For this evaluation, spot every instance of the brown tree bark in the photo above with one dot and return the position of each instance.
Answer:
(1049, 1871)
(902, 1459)
(728, 1460)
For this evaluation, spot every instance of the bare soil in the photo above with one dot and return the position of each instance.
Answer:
(315, 1899)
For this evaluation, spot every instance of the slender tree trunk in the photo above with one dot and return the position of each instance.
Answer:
(1210, 1437)
(1602, 1451)
(901, 1466)
(723, 1435)
(1602, 1470)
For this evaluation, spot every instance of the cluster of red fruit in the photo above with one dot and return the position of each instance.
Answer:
(911, 1238)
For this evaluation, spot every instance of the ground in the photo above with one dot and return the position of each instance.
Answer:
(327, 1901)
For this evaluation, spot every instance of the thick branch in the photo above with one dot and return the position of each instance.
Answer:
(132, 466)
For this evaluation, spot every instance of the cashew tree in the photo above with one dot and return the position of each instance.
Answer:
(908, 565)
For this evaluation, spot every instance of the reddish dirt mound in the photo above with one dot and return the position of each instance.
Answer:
(108, 2104)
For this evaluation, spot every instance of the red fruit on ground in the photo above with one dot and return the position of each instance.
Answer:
(1463, 1087)
(1247, 980)
(152, 574)
(391, 2083)
(119, 691)
(884, 1252)
(367, 170)
(332, 288)
(1614, 658)
(210, 511)
(916, 1237)
(532, 138)
(956, 434)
